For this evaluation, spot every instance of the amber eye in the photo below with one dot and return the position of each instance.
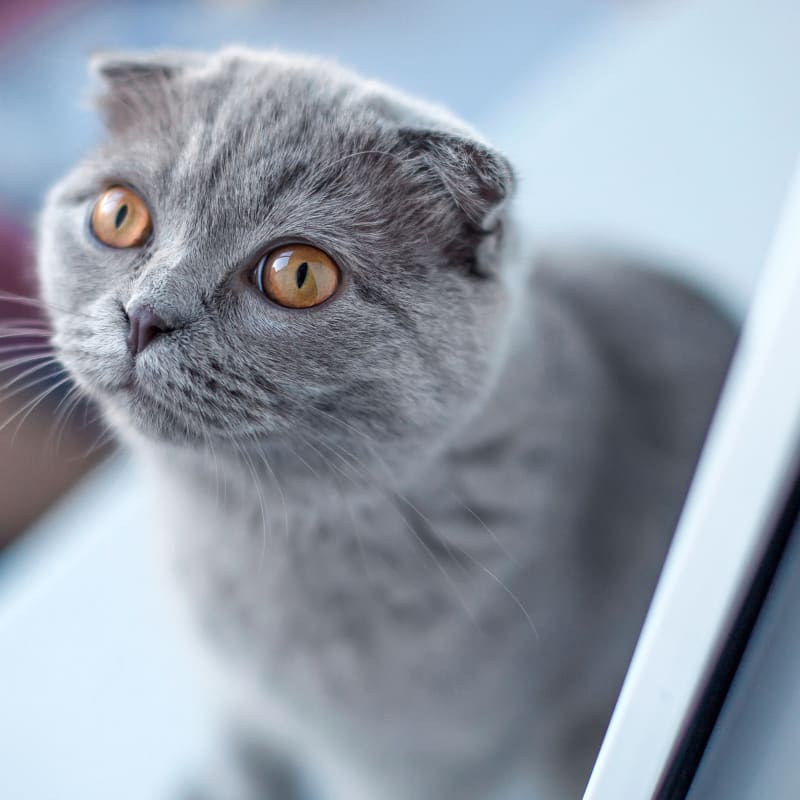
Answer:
(121, 219)
(297, 276)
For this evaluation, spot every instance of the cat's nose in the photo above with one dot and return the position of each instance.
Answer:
(145, 324)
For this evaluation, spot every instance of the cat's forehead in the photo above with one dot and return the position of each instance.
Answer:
(250, 104)
(254, 108)
(250, 143)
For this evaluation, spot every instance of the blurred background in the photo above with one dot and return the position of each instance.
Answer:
(669, 128)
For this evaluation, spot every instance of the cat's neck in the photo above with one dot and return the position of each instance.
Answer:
(304, 476)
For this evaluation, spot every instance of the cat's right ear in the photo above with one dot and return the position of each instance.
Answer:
(139, 86)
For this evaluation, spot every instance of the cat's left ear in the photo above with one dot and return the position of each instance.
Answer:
(477, 178)
(114, 66)
(465, 184)
(138, 86)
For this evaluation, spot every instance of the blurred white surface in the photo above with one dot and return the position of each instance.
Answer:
(672, 132)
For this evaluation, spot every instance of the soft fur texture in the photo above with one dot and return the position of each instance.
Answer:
(419, 524)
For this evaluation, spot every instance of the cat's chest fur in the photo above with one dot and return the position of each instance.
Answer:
(372, 606)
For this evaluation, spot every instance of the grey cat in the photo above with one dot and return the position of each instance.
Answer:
(416, 489)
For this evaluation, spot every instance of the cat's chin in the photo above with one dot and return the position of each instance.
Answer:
(140, 416)
(143, 419)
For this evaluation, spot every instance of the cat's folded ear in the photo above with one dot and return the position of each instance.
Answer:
(139, 86)
(114, 66)
(476, 177)
(466, 184)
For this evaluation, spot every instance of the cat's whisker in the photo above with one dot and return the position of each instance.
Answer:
(17, 347)
(26, 333)
(372, 445)
(15, 361)
(478, 564)
(346, 425)
(103, 439)
(22, 299)
(38, 308)
(345, 497)
(324, 459)
(25, 326)
(210, 445)
(265, 520)
(220, 477)
(9, 339)
(25, 339)
(42, 306)
(29, 322)
(327, 461)
(63, 411)
(342, 494)
(262, 456)
(46, 360)
(362, 471)
(26, 387)
(58, 413)
(485, 527)
(302, 460)
(7, 393)
(28, 408)
(264, 459)
(358, 153)
(448, 545)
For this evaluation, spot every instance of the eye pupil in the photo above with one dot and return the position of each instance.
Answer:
(121, 214)
(301, 274)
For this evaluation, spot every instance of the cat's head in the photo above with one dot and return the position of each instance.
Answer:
(233, 188)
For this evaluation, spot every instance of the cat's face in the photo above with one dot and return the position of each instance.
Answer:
(235, 156)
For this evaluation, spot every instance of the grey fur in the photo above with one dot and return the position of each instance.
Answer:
(422, 521)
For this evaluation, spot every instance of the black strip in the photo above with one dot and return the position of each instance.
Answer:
(684, 763)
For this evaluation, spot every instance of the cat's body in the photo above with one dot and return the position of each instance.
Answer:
(436, 636)
(425, 572)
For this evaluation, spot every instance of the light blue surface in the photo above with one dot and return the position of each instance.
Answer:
(675, 133)
(97, 699)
